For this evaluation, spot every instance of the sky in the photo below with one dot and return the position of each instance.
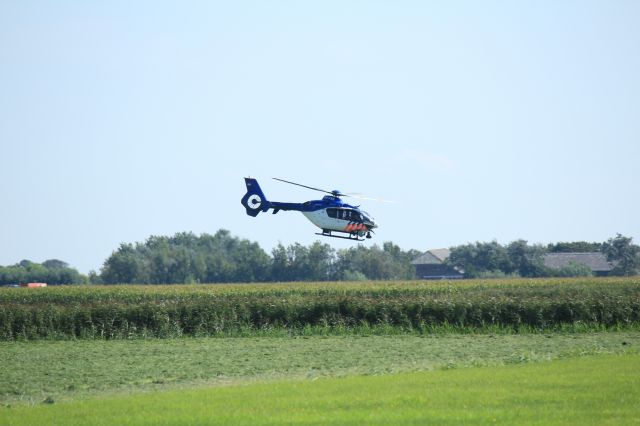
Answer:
(483, 121)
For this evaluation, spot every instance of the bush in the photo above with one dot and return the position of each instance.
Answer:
(573, 269)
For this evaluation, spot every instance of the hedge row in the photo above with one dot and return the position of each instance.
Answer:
(232, 312)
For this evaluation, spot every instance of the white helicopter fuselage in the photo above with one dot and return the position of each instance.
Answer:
(324, 221)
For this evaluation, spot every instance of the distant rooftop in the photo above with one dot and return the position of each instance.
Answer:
(432, 257)
(596, 261)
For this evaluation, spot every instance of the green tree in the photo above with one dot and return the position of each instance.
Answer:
(52, 272)
(375, 263)
(123, 266)
(526, 260)
(279, 264)
(94, 278)
(55, 264)
(480, 258)
(574, 247)
(624, 254)
(298, 262)
(321, 260)
(187, 258)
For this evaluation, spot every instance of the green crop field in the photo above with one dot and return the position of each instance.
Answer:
(219, 310)
(508, 351)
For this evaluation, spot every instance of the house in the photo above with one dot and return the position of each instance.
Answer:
(597, 261)
(431, 266)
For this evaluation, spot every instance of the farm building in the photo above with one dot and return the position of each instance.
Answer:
(596, 261)
(431, 266)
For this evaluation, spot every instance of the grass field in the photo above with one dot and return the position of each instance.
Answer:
(596, 390)
(562, 351)
(64, 370)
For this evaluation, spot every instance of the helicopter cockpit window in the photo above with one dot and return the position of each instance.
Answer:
(344, 214)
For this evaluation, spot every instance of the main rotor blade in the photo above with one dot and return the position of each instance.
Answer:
(380, 200)
(305, 186)
(363, 197)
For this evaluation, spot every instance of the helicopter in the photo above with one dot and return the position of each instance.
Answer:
(330, 214)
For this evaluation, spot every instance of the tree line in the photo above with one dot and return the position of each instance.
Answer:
(224, 258)
(518, 258)
(52, 271)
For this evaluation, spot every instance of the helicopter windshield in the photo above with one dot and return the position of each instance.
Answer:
(366, 216)
(346, 214)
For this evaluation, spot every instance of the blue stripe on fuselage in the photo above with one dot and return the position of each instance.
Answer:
(311, 206)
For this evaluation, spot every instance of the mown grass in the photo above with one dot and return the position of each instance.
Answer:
(35, 371)
(590, 390)
(317, 308)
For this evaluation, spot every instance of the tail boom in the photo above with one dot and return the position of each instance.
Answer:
(254, 201)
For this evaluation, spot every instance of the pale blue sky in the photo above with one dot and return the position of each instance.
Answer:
(484, 120)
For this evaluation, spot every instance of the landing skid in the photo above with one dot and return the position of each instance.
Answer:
(340, 236)
(352, 237)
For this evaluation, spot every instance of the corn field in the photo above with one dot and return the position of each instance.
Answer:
(121, 312)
